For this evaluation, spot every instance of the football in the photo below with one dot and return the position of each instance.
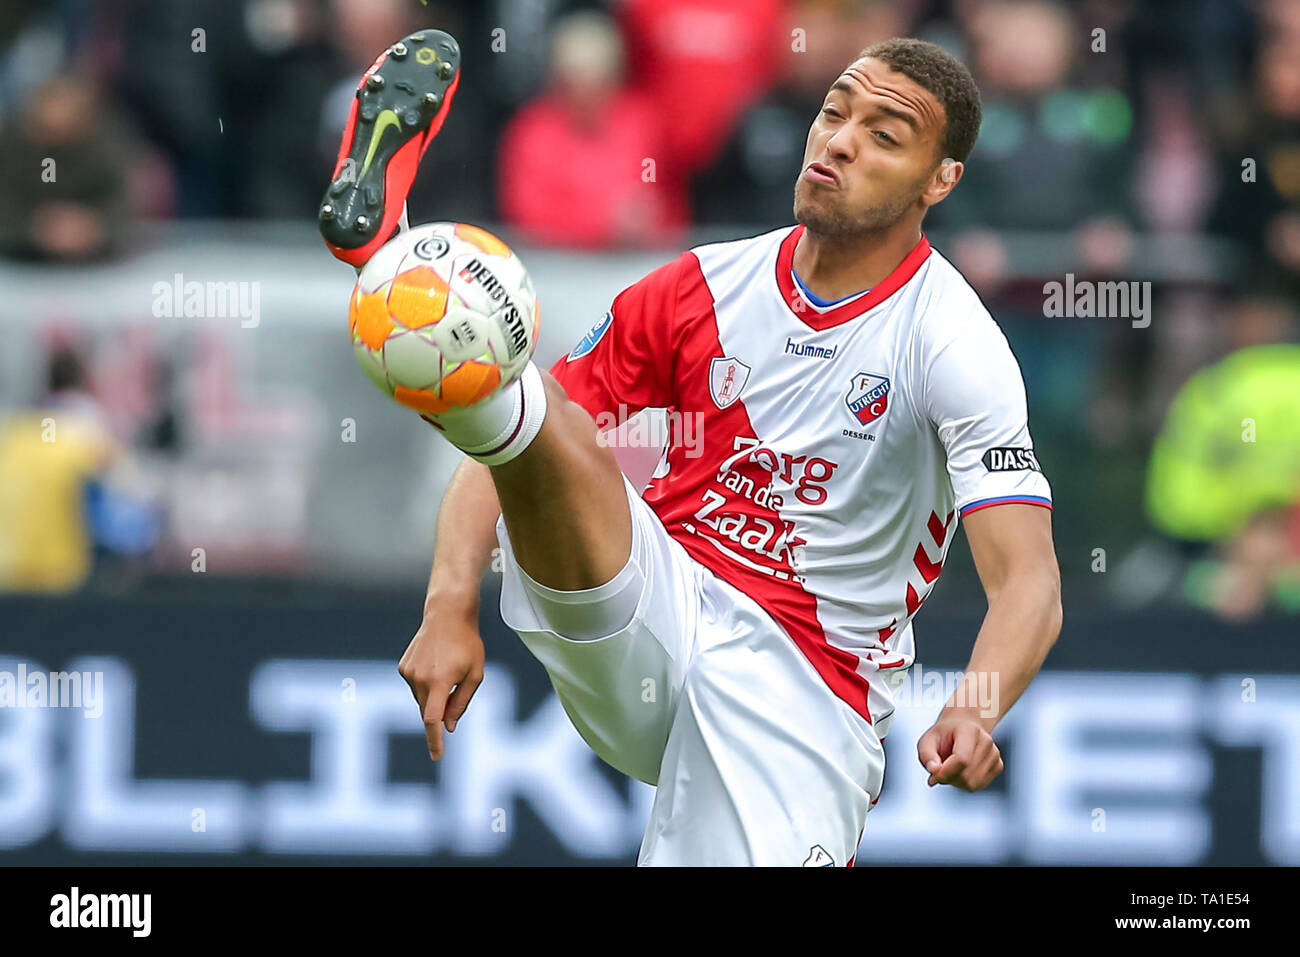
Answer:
(442, 316)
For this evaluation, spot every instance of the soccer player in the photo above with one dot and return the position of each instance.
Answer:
(734, 634)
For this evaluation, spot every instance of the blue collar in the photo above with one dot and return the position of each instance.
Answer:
(816, 300)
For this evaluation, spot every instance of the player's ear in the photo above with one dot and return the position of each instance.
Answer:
(946, 176)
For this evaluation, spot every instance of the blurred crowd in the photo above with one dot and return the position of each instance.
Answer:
(596, 124)
(1146, 140)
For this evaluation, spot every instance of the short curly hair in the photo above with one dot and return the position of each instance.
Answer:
(935, 69)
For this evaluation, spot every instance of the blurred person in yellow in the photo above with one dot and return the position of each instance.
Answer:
(1225, 470)
(48, 455)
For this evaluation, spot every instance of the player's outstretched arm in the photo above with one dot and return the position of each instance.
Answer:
(447, 650)
(1013, 552)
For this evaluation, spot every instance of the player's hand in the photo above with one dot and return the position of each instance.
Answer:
(445, 654)
(958, 750)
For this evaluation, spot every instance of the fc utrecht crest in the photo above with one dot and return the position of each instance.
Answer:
(868, 397)
(727, 376)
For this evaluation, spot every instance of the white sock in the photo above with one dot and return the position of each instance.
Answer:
(498, 429)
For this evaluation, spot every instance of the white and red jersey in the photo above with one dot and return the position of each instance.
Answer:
(838, 446)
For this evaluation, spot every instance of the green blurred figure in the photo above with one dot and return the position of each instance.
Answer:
(1226, 469)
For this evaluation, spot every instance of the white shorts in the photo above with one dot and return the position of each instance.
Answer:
(756, 760)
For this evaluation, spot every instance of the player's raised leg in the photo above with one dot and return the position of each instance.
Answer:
(577, 564)
(443, 320)
(605, 601)
(563, 500)
(560, 491)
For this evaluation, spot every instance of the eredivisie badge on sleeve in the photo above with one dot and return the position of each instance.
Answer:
(588, 342)
(868, 397)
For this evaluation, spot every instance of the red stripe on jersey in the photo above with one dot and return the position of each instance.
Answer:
(913, 600)
(631, 363)
(939, 527)
(850, 310)
(718, 521)
(929, 569)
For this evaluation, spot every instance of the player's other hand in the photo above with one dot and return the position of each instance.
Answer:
(958, 750)
(443, 664)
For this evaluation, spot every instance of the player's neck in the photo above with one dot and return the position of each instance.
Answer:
(836, 266)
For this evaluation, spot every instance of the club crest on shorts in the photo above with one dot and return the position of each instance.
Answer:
(818, 856)
(868, 397)
(727, 377)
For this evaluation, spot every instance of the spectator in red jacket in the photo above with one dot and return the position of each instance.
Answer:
(581, 165)
(704, 62)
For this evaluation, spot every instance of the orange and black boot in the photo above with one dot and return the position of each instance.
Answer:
(401, 103)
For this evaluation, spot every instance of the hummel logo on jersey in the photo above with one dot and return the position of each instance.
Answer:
(793, 348)
(868, 397)
(727, 376)
(1010, 460)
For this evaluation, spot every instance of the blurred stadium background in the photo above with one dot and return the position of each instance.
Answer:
(213, 510)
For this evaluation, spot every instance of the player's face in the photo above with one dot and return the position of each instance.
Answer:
(872, 152)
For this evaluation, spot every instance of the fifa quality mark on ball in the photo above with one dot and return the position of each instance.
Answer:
(460, 335)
